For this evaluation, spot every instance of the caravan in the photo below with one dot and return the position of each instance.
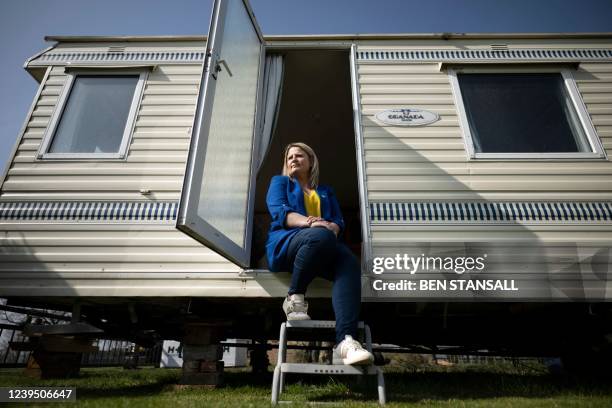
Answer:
(137, 186)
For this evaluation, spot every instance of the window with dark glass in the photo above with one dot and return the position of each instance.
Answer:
(521, 113)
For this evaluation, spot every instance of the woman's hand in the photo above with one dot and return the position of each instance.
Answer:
(310, 220)
(326, 224)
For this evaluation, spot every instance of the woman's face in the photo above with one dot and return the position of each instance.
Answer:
(297, 162)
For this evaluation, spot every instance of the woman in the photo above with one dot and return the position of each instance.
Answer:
(303, 239)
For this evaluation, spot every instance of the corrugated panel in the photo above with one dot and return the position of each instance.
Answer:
(67, 249)
(597, 235)
(423, 149)
(260, 285)
(160, 140)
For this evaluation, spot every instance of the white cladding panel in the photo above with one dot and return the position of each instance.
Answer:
(122, 258)
(424, 164)
(429, 164)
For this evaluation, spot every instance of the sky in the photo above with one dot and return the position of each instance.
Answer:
(25, 23)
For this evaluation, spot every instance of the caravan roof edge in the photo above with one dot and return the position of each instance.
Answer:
(310, 37)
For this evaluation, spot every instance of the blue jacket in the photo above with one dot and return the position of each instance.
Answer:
(285, 196)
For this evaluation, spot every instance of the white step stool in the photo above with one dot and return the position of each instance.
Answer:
(282, 367)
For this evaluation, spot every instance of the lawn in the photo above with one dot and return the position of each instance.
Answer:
(499, 385)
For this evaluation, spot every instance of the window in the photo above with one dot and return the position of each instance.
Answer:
(94, 116)
(521, 113)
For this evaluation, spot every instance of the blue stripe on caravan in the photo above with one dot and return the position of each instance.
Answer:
(550, 213)
(26, 211)
(539, 210)
(391, 213)
(156, 212)
(448, 211)
(524, 213)
(486, 211)
(513, 210)
(174, 210)
(601, 210)
(150, 212)
(372, 211)
(105, 210)
(79, 211)
(19, 210)
(378, 212)
(554, 211)
(131, 211)
(60, 211)
(169, 208)
(141, 211)
(54, 211)
(111, 211)
(579, 214)
(587, 207)
(404, 211)
(582, 212)
(481, 214)
(491, 209)
(598, 211)
(568, 210)
(161, 208)
(16, 210)
(607, 211)
(384, 211)
(12, 210)
(90, 210)
(505, 209)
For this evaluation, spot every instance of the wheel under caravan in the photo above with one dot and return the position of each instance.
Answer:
(168, 230)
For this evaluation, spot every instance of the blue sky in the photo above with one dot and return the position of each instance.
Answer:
(24, 23)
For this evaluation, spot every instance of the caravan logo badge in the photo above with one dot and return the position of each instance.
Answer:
(407, 117)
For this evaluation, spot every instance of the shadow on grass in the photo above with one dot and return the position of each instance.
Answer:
(407, 387)
(414, 387)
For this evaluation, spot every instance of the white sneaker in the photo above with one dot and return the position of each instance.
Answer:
(350, 352)
(296, 308)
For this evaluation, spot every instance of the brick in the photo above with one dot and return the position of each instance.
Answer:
(207, 353)
(215, 379)
(202, 334)
(211, 366)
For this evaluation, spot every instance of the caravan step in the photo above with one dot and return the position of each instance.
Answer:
(336, 369)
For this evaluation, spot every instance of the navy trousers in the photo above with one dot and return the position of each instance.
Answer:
(316, 252)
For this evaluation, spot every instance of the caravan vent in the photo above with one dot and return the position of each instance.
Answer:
(499, 47)
(116, 49)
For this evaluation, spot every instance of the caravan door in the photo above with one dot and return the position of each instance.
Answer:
(217, 197)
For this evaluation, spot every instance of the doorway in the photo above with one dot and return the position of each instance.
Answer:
(315, 108)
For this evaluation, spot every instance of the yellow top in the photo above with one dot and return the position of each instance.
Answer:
(312, 203)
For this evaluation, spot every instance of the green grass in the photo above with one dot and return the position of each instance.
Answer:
(501, 385)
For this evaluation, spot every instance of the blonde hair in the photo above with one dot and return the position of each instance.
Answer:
(312, 157)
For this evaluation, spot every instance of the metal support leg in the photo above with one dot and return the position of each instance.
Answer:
(277, 379)
(382, 397)
(276, 384)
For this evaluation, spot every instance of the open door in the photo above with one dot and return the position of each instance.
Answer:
(217, 197)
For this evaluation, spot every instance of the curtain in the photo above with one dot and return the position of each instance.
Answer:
(273, 85)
